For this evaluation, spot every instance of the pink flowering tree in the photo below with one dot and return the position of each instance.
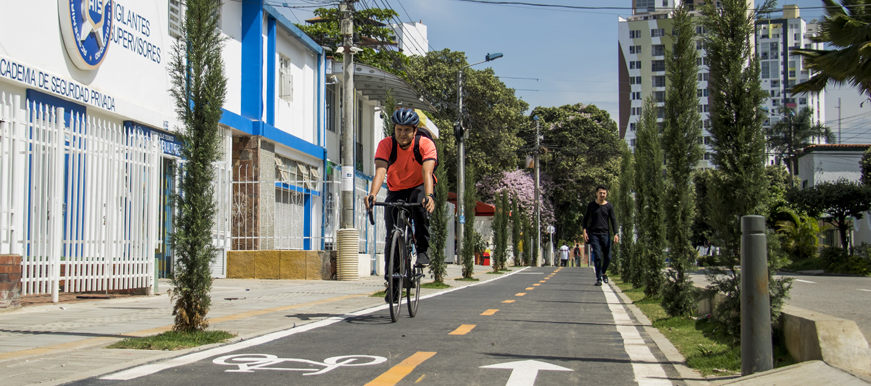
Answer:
(520, 183)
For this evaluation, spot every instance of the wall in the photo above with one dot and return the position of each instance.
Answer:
(127, 83)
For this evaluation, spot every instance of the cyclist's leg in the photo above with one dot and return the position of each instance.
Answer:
(421, 225)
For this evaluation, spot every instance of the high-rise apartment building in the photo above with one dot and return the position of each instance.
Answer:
(646, 36)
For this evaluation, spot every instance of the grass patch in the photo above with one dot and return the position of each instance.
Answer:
(435, 285)
(379, 294)
(493, 273)
(173, 340)
(806, 265)
(703, 343)
(467, 279)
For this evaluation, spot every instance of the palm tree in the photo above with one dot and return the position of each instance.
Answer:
(844, 28)
(800, 233)
(793, 133)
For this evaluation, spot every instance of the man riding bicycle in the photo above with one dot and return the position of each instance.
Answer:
(407, 159)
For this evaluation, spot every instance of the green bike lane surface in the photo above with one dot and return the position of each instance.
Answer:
(559, 332)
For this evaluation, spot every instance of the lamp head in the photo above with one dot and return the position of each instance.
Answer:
(493, 56)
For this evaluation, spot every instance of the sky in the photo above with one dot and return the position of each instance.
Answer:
(556, 56)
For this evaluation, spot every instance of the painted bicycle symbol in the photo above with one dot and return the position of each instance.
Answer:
(249, 362)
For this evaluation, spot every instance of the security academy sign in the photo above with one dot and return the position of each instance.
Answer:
(86, 26)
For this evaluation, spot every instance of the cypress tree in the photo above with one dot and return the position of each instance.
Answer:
(469, 234)
(498, 243)
(503, 228)
(626, 214)
(649, 199)
(739, 186)
(516, 227)
(439, 222)
(681, 136)
(198, 90)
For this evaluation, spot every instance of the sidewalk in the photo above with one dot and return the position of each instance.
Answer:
(52, 344)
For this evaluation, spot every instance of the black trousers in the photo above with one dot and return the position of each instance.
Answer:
(418, 215)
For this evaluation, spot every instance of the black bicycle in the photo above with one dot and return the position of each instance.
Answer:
(400, 270)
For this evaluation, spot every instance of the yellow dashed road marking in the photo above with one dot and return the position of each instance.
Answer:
(530, 288)
(521, 294)
(508, 301)
(489, 312)
(463, 330)
(396, 373)
(536, 285)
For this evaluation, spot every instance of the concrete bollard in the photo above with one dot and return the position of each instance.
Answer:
(756, 350)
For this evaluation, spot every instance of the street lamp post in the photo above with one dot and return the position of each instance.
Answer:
(461, 134)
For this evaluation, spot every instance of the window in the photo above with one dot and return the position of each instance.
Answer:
(658, 65)
(659, 50)
(632, 142)
(702, 92)
(660, 113)
(658, 81)
(657, 32)
(285, 79)
(635, 65)
(703, 77)
(632, 126)
(635, 34)
(330, 110)
(635, 96)
(176, 14)
(707, 156)
(775, 83)
(707, 140)
(700, 45)
(635, 49)
(665, 3)
(766, 68)
(659, 96)
(775, 102)
(635, 111)
(802, 101)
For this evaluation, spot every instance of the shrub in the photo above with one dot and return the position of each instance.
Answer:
(833, 256)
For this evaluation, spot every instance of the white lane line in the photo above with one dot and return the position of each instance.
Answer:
(648, 372)
(805, 281)
(866, 290)
(149, 369)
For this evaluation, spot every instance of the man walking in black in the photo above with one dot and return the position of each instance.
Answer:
(600, 214)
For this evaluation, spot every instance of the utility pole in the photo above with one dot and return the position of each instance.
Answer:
(347, 220)
(461, 135)
(839, 121)
(348, 238)
(537, 193)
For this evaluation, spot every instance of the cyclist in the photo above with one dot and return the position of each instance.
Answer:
(407, 159)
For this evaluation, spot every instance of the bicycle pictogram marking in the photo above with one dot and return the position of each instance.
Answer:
(248, 363)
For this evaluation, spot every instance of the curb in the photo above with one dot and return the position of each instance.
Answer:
(688, 375)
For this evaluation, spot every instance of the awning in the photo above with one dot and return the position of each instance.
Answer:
(481, 209)
(374, 83)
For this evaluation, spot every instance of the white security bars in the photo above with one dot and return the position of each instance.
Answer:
(78, 201)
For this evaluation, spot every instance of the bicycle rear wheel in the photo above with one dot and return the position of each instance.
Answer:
(394, 274)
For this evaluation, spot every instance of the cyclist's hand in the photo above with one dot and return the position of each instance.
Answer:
(428, 204)
(369, 201)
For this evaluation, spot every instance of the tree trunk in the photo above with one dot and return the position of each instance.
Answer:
(842, 231)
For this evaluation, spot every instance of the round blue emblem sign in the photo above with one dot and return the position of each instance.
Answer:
(86, 26)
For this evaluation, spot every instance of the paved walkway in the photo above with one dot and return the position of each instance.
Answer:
(56, 343)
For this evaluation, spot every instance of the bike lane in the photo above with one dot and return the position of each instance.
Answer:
(535, 326)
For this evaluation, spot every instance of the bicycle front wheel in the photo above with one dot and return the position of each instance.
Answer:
(394, 275)
(415, 274)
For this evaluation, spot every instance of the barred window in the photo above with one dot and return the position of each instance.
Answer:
(285, 79)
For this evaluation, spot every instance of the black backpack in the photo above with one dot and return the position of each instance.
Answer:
(417, 155)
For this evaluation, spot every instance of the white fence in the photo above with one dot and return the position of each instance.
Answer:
(78, 200)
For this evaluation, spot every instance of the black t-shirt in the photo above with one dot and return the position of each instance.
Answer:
(597, 217)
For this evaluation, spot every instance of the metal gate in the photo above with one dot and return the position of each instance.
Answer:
(79, 201)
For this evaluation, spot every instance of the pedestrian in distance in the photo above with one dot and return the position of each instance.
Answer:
(600, 215)
(564, 255)
(577, 254)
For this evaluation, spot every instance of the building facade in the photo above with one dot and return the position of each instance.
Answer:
(645, 38)
(89, 155)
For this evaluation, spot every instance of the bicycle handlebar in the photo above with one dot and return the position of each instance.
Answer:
(397, 204)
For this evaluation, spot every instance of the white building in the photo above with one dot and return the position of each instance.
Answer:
(830, 163)
(645, 37)
(780, 71)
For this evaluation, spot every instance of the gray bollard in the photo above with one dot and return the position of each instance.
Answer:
(756, 351)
